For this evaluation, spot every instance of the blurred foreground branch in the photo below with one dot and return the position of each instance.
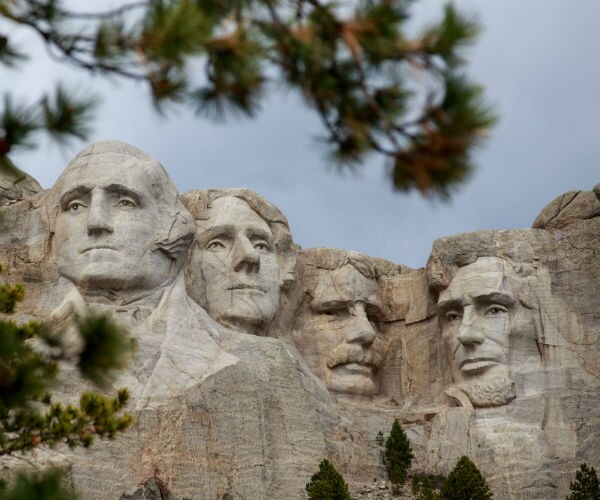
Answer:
(376, 90)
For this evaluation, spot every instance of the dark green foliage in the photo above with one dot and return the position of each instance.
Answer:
(61, 115)
(106, 347)
(398, 455)
(44, 485)
(465, 482)
(9, 296)
(357, 69)
(327, 484)
(28, 370)
(586, 485)
(65, 117)
(379, 438)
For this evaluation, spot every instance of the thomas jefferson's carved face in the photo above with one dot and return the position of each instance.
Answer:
(338, 337)
(239, 265)
(106, 227)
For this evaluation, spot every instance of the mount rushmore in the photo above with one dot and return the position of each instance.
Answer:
(256, 359)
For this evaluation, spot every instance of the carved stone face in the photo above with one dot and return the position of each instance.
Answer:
(239, 265)
(106, 227)
(339, 338)
(475, 313)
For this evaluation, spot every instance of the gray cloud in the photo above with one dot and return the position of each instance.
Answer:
(538, 62)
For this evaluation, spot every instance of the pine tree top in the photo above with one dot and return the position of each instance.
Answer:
(465, 482)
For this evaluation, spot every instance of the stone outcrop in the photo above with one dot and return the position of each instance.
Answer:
(15, 184)
(257, 359)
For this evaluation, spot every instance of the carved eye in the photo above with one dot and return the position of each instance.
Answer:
(73, 206)
(126, 203)
(495, 310)
(261, 246)
(452, 316)
(374, 314)
(341, 312)
(215, 245)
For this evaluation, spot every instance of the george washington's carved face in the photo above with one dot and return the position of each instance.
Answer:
(239, 265)
(105, 235)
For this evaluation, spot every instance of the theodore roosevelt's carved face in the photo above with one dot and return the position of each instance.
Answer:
(105, 235)
(239, 265)
(339, 337)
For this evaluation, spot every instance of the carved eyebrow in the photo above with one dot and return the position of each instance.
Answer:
(122, 190)
(495, 298)
(447, 305)
(206, 234)
(73, 193)
(261, 233)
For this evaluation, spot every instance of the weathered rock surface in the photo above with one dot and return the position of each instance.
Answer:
(15, 184)
(262, 359)
(569, 207)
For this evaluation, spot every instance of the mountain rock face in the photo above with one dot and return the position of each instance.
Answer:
(257, 359)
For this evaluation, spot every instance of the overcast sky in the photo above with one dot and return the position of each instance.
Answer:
(538, 59)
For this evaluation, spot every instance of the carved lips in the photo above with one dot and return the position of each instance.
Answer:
(476, 365)
(248, 287)
(98, 247)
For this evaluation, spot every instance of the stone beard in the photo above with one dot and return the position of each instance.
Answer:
(338, 334)
(480, 312)
(236, 254)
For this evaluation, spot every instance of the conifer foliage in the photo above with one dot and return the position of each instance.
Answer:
(586, 485)
(29, 418)
(398, 455)
(327, 484)
(376, 89)
(465, 482)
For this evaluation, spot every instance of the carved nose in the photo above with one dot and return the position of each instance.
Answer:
(99, 220)
(469, 334)
(360, 330)
(245, 256)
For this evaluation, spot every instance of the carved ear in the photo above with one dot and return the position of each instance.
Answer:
(195, 282)
(287, 269)
(177, 237)
(286, 253)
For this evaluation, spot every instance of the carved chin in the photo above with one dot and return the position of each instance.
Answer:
(99, 275)
(496, 391)
(247, 317)
(343, 379)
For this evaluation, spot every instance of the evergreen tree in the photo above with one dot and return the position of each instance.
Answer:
(465, 482)
(586, 485)
(29, 418)
(376, 89)
(327, 484)
(398, 455)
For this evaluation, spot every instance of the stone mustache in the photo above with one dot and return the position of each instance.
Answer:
(257, 359)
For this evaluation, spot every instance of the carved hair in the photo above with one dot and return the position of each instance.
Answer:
(362, 263)
(176, 227)
(331, 259)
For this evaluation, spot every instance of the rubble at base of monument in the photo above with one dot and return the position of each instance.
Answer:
(257, 359)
